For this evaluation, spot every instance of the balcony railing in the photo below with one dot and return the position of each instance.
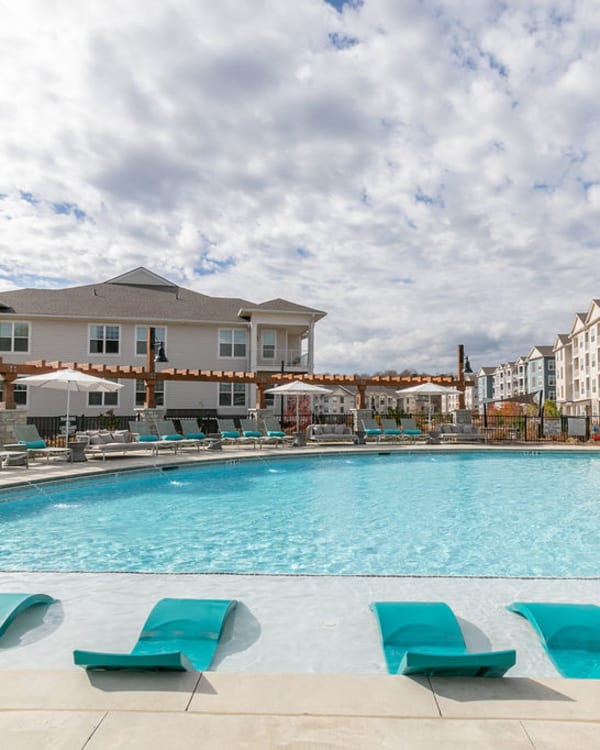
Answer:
(292, 359)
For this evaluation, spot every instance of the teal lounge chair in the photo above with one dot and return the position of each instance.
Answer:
(410, 429)
(371, 429)
(179, 635)
(570, 633)
(11, 605)
(425, 638)
(391, 431)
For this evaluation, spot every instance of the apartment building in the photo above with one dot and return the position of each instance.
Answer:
(577, 356)
(107, 323)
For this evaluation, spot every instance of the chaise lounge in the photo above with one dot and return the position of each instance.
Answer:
(425, 638)
(570, 634)
(11, 606)
(179, 635)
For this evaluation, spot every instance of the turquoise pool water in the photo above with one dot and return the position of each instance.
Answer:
(412, 514)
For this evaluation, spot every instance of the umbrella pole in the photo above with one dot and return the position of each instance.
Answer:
(68, 409)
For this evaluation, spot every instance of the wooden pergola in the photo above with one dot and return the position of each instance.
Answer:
(262, 381)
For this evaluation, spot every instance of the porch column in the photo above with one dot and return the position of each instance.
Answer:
(311, 347)
(361, 396)
(260, 396)
(253, 347)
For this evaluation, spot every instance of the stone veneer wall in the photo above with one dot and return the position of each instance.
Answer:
(8, 418)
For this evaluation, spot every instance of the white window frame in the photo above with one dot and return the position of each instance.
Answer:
(160, 390)
(273, 333)
(104, 353)
(103, 396)
(234, 389)
(140, 343)
(231, 332)
(13, 324)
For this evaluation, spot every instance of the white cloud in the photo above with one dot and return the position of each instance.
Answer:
(440, 168)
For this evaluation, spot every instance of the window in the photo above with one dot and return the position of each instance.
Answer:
(96, 398)
(268, 344)
(141, 337)
(232, 394)
(14, 337)
(551, 365)
(104, 339)
(140, 392)
(232, 342)
(20, 392)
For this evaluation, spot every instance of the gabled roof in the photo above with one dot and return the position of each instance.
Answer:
(578, 323)
(485, 371)
(279, 306)
(139, 294)
(541, 351)
(561, 340)
(593, 312)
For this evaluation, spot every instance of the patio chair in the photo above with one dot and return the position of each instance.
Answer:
(28, 436)
(179, 634)
(371, 429)
(570, 634)
(274, 430)
(250, 429)
(191, 429)
(410, 429)
(391, 431)
(11, 606)
(144, 432)
(231, 435)
(167, 431)
(425, 638)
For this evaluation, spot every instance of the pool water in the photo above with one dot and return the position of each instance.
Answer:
(454, 514)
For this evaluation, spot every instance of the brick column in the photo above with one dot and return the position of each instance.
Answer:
(8, 418)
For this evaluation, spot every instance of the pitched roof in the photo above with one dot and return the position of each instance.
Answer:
(135, 295)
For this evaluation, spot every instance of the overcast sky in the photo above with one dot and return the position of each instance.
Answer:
(427, 172)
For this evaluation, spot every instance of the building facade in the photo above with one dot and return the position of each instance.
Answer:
(577, 365)
(107, 323)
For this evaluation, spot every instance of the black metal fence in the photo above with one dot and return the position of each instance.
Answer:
(499, 428)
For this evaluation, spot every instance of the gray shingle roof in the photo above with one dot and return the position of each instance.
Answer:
(119, 300)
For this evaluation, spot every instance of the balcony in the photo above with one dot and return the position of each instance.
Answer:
(293, 360)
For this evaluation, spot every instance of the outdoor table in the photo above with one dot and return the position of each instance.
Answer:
(77, 450)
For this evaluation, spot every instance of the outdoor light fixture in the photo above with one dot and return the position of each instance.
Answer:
(161, 355)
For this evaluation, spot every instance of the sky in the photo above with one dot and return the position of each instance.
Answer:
(426, 172)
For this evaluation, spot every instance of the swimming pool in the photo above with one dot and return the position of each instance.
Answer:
(426, 514)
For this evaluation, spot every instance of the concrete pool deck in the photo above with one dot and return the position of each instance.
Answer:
(300, 663)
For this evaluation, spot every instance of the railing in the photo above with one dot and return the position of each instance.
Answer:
(290, 357)
(497, 427)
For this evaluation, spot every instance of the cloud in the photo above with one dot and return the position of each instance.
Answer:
(427, 176)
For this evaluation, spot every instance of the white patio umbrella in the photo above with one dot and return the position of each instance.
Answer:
(298, 388)
(429, 390)
(69, 380)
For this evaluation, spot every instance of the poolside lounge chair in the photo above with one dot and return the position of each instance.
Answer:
(250, 429)
(29, 436)
(391, 431)
(273, 429)
(167, 431)
(230, 433)
(109, 443)
(410, 429)
(191, 429)
(179, 635)
(11, 605)
(14, 457)
(570, 633)
(425, 638)
(371, 429)
(144, 432)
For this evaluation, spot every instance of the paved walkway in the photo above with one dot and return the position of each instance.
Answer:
(213, 711)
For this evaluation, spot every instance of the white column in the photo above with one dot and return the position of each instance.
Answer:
(253, 344)
(311, 347)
